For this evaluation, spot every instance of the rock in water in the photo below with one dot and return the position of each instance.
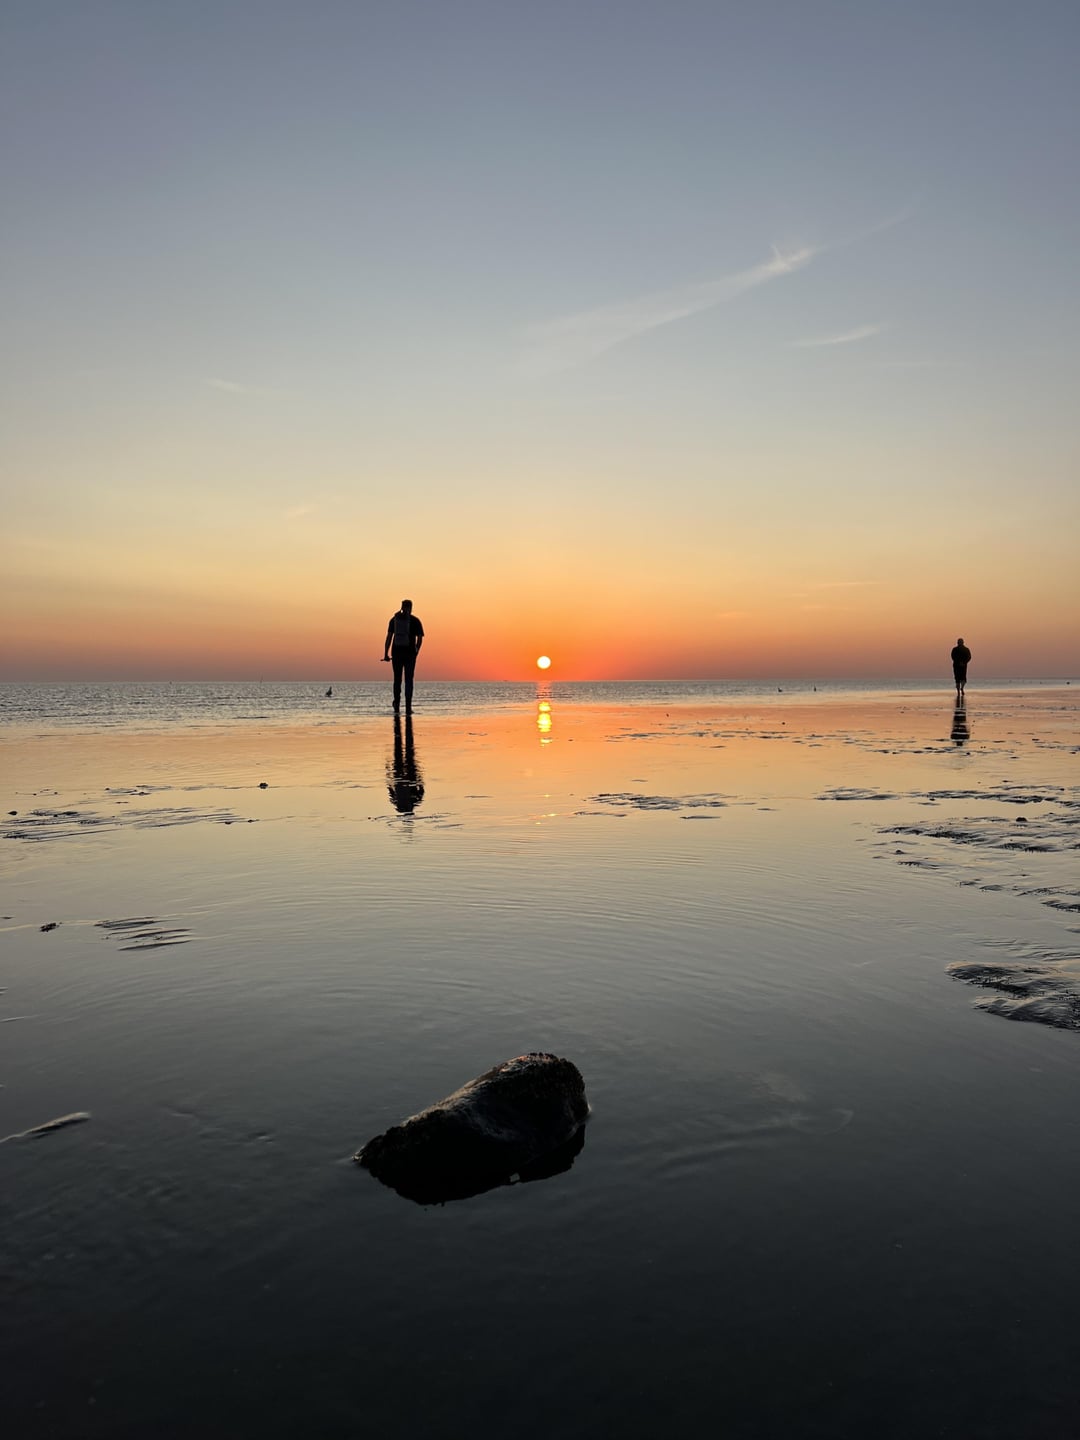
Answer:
(524, 1118)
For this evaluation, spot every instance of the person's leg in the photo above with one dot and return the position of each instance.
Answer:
(410, 666)
(397, 659)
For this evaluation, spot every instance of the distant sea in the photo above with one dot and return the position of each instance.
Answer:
(152, 705)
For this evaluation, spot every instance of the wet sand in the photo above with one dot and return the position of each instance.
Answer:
(238, 956)
(994, 807)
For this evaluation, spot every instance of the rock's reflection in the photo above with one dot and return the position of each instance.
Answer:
(440, 1184)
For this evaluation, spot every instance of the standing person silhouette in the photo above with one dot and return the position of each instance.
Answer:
(406, 635)
(960, 657)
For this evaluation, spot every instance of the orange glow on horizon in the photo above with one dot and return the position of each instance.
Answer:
(95, 622)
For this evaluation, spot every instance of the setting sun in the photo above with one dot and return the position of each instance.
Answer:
(543, 662)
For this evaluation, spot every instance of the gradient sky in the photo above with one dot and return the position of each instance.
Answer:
(668, 339)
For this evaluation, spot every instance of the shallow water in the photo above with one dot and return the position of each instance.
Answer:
(821, 1194)
(134, 706)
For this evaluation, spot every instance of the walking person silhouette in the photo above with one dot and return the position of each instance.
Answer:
(960, 657)
(405, 635)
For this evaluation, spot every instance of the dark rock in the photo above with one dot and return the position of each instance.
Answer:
(524, 1118)
(52, 925)
(263, 785)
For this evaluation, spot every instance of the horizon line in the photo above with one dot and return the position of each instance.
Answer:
(545, 679)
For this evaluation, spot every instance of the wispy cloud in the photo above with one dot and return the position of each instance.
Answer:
(898, 217)
(562, 344)
(297, 512)
(817, 585)
(238, 387)
(842, 584)
(918, 364)
(231, 387)
(574, 339)
(846, 337)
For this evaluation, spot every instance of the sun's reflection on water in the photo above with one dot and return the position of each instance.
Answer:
(544, 718)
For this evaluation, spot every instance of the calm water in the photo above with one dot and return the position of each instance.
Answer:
(139, 705)
(819, 1196)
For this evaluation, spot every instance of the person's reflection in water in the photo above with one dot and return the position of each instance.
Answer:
(960, 733)
(404, 778)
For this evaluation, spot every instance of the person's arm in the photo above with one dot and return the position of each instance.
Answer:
(389, 633)
(419, 637)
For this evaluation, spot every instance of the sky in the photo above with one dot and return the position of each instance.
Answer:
(674, 339)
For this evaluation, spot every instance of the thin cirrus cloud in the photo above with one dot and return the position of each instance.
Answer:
(235, 387)
(561, 344)
(842, 584)
(829, 585)
(917, 364)
(846, 337)
(230, 387)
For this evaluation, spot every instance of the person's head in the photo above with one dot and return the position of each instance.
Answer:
(960, 640)
(406, 605)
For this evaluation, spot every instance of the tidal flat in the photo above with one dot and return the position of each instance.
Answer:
(826, 1189)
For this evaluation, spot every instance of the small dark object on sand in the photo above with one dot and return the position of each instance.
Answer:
(52, 925)
(13, 812)
(263, 785)
(524, 1118)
